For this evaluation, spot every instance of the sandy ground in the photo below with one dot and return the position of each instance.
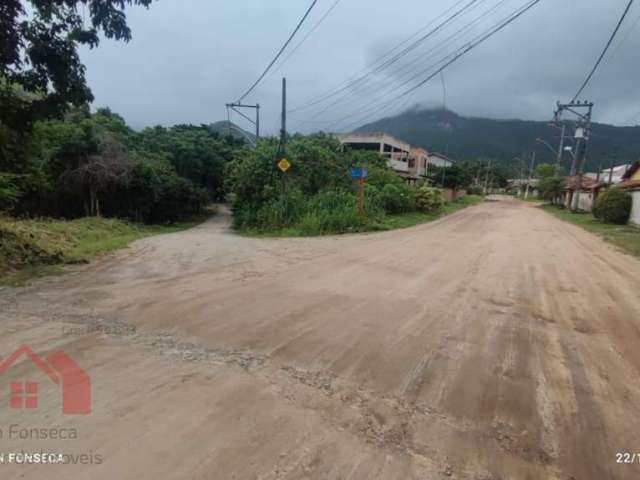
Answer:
(497, 343)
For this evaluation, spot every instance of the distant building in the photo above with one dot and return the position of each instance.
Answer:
(586, 188)
(410, 163)
(396, 151)
(440, 160)
(418, 163)
(609, 175)
(631, 183)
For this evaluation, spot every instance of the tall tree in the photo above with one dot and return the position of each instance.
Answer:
(40, 69)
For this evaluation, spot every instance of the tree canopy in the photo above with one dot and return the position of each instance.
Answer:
(40, 69)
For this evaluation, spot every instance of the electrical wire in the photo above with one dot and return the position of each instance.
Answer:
(286, 44)
(443, 45)
(313, 29)
(604, 52)
(384, 62)
(449, 60)
(634, 25)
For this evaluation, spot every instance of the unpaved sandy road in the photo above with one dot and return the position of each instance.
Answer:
(497, 343)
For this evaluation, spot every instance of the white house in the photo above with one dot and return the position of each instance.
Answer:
(396, 151)
(410, 163)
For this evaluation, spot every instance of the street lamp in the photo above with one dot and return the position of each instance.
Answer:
(570, 150)
(546, 144)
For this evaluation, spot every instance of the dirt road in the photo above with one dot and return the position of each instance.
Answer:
(497, 343)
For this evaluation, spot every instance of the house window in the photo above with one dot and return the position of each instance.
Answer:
(24, 395)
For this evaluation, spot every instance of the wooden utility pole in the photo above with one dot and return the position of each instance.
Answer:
(283, 129)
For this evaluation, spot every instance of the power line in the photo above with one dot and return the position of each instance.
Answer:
(448, 61)
(604, 52)
(445, 61)
(625, 38)
(385, 62)
(313, 4)
(313, 29)
(410, 68)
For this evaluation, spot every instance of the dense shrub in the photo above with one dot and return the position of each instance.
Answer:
(551, 187)
(428, 199)
(475, 190)
(613, 206)
(95, 165)
(397, 198)
(9, 192)
(283, 211)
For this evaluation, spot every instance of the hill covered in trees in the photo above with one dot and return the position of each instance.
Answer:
(466, 138)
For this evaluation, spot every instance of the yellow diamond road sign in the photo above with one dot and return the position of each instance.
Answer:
(284, 165)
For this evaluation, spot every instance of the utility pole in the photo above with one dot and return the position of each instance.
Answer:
(256, 123)
(533, 163)
(283, 129)
(282, 146)
(582, 136)
(521, 177)
(560, 149)
(486, 178)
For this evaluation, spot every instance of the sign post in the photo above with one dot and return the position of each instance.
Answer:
(284, 166)
(360, 173)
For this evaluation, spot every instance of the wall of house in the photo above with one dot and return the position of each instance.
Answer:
(439, 162)
(635, 208)
(448, 194)
(585, 202)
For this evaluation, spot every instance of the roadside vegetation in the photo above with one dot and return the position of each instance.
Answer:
(317, 195)
(609, 218)
(75, 182)
(626, 237)
(30, 248)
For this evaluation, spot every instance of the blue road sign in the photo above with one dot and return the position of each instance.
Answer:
(358, 172)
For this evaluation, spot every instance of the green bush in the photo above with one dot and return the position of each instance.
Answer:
(9, 192)
(613, 206)
(397, 198)
(428, 199)
(284, 211)
(475, 190)
(343, 219)
(551, 187)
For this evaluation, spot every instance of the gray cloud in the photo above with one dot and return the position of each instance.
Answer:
(189, 58)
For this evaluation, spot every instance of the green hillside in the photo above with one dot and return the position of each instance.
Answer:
(502, 140)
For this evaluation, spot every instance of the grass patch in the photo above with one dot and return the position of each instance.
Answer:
(32, 248)
(626, 237)
(388, 222)
(531, 199)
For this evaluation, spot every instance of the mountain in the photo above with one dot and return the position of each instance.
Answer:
(224, 127)
(501, 140)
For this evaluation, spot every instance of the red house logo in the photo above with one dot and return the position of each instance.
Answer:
(62, 371)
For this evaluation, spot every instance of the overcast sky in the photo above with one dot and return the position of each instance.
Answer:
(190, 57)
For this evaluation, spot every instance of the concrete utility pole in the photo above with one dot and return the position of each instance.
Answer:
(582, 136)
(486, 178)
(533, 164)
(560, 149)
(611, 171)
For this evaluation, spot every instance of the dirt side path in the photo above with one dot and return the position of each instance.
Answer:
(497, 343)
